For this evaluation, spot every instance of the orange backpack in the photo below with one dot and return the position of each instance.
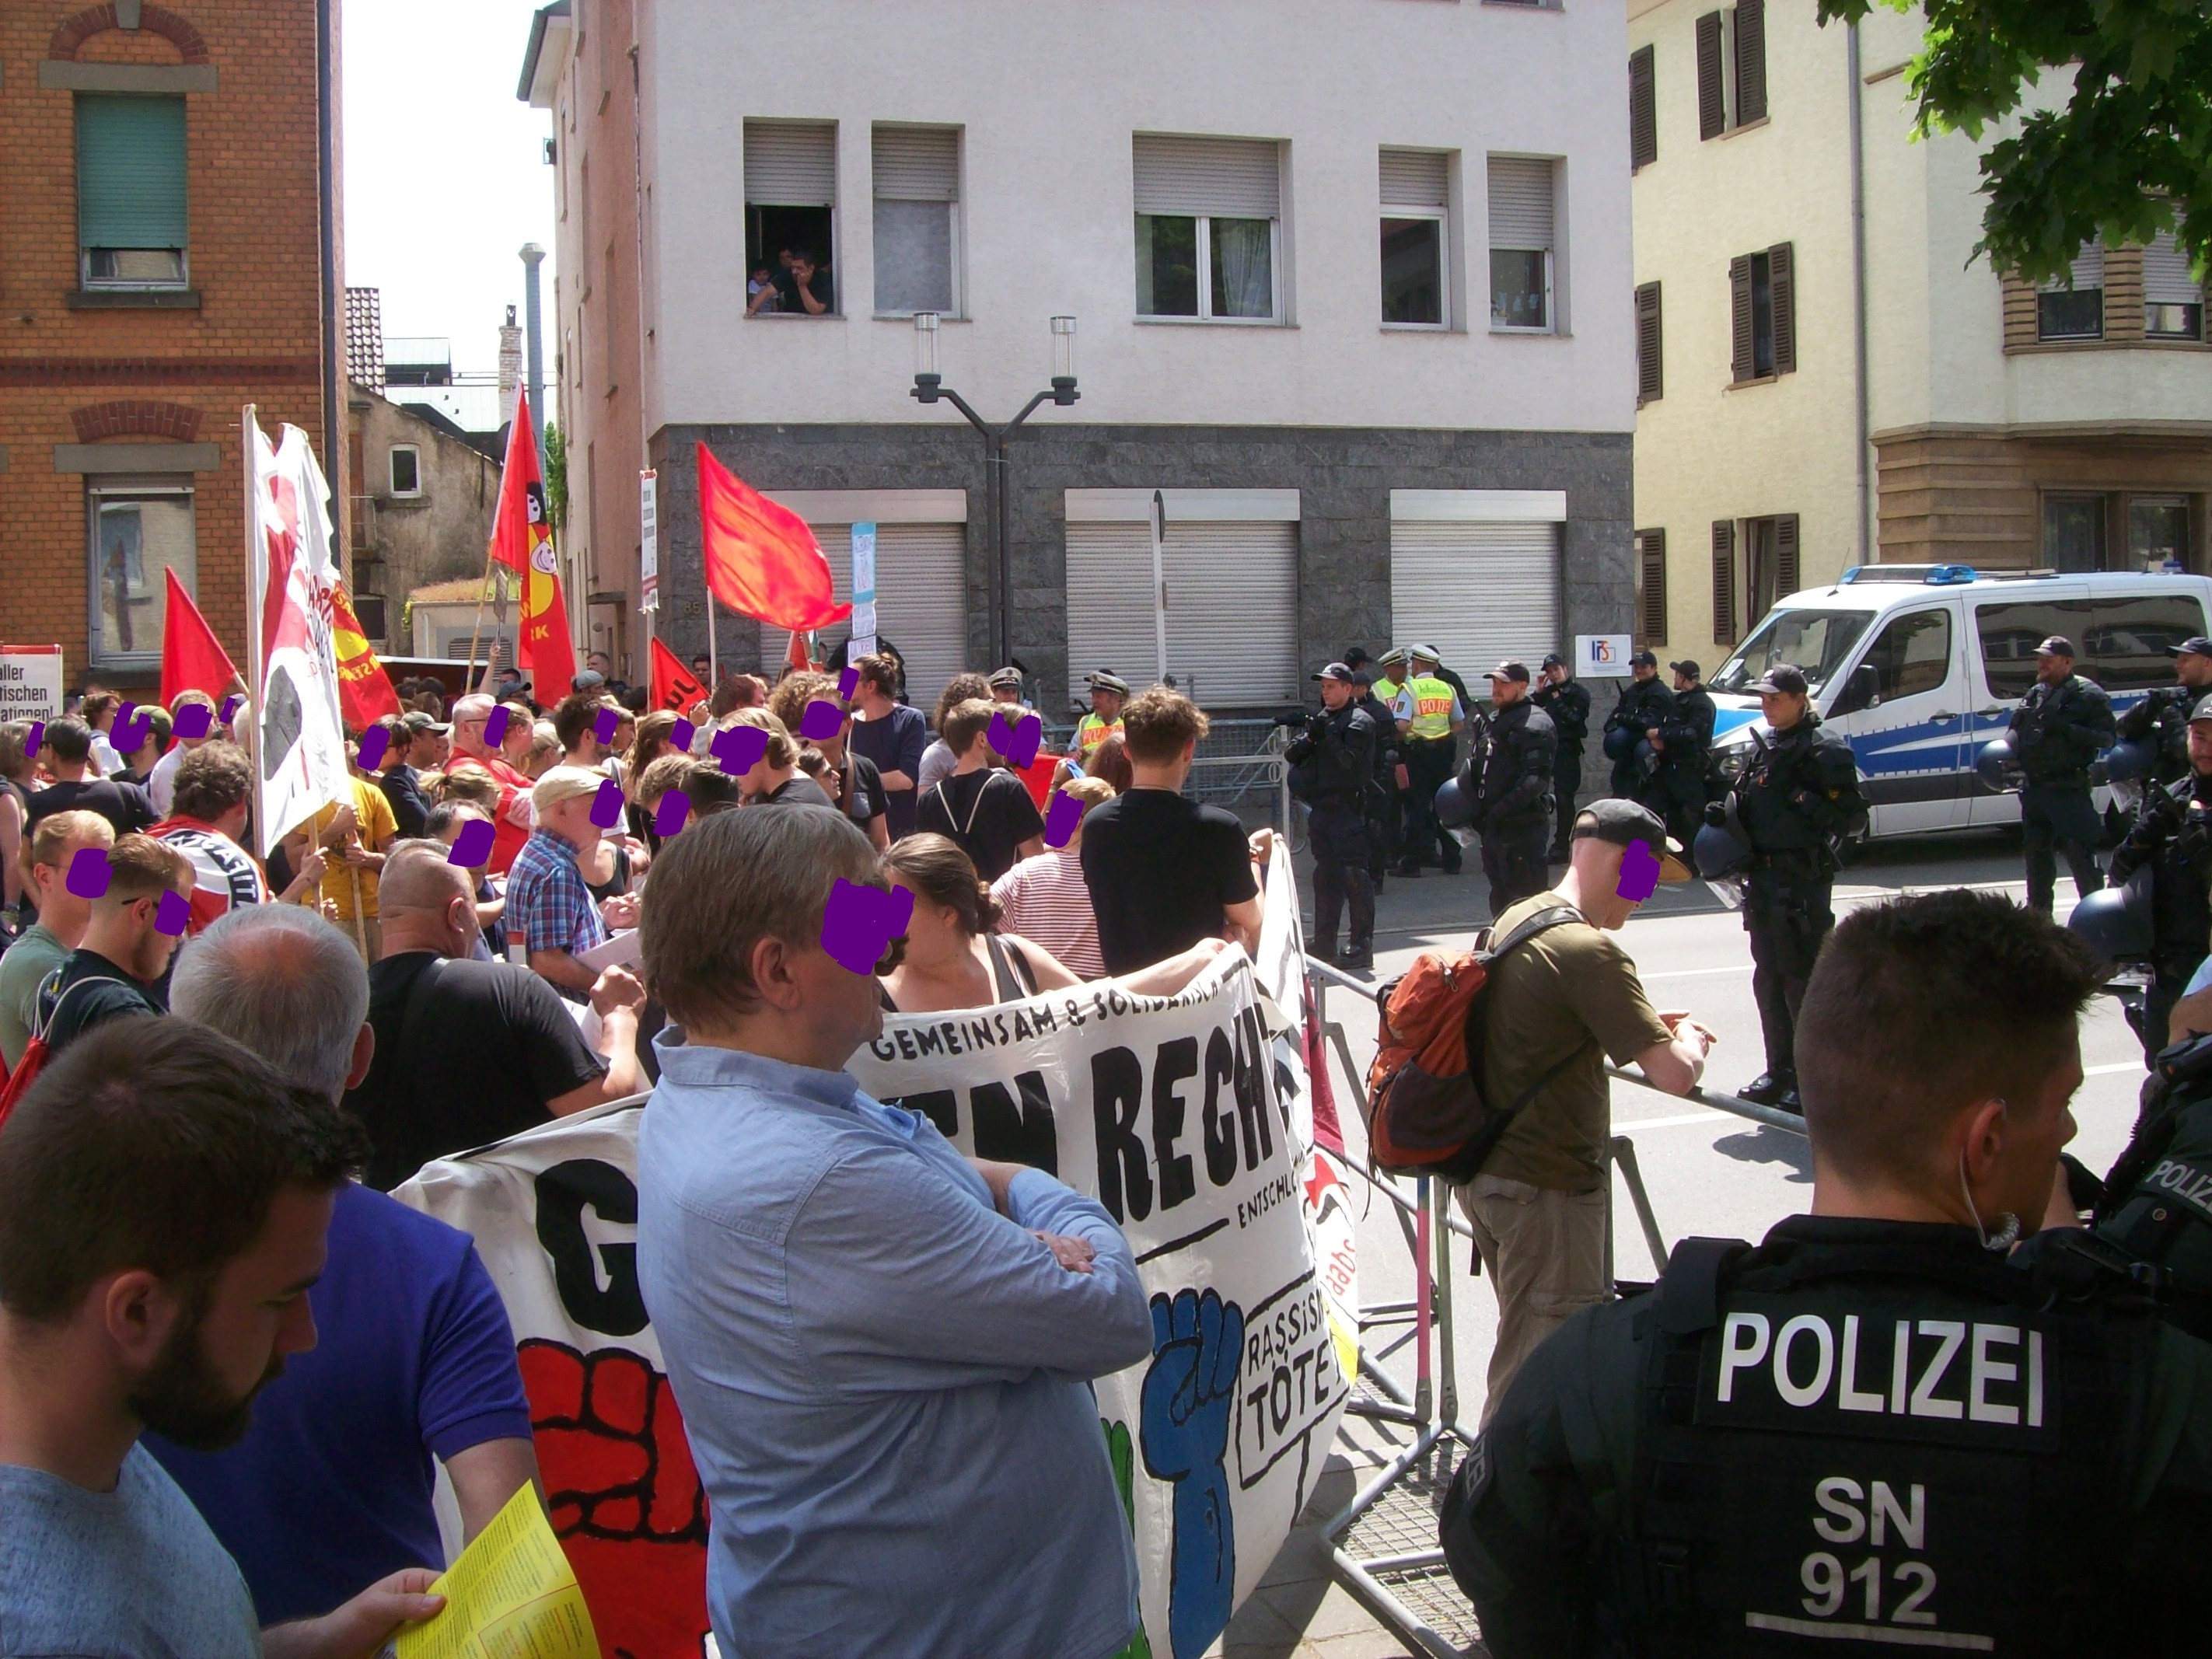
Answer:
(1425, 1107)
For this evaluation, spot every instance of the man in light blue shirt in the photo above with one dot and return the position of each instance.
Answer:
(883, 1349)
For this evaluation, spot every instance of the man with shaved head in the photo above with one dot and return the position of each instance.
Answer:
(470, 1052)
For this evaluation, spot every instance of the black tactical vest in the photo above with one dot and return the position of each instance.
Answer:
(2157, 1202)
(1878, 1445)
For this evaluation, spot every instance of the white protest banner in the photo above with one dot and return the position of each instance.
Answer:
(30, 682)
(648, 540)
(864, 594)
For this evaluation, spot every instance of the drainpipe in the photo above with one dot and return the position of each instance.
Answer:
(1867, 547)
(533, 347)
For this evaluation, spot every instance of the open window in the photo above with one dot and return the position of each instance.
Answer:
(791, 219)
(1416, 202)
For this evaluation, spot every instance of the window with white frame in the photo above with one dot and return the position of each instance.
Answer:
(2173, 300)
(406, 469)
(1521, 273)
(1209, 222)
(1416, 188)
(136, 528)
(917, 220)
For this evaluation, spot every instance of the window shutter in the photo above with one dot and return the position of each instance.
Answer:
(130, 172)
(1724, 581)
(1651, 380)
(1712, 96)
(2088, 271)
(1787, 578)
(1520, 203)
(917, 164)
(1651, 586)
(2020, 314)
(1642, 109)
(791, 163)
(1415, 178)
(1781, 266)
(1750, 61)
(1233, 177)
(1740, 357)
(2167, 278)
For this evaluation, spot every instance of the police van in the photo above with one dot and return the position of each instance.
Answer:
(1919, 666)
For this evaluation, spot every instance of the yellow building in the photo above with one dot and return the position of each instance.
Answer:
(1828, 378)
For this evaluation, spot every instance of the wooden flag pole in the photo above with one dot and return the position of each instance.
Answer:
(476, 629)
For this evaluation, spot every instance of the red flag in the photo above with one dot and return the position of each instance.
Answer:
(522, 540)
(761, 560)
(192, 659)
(795, 657)
(674, 686)
(365, 693)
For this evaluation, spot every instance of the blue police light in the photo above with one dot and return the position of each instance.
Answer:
(1946, 575)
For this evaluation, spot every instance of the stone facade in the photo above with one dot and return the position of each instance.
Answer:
(401, 543)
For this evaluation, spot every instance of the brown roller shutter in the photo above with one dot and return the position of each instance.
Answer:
(1651, 586)
(1781, 264)
(1741, 362)
(1724, 581)
(1642, 109)
(1750, 61)
(1650, 379)
(1712, 95)
(1786, 579)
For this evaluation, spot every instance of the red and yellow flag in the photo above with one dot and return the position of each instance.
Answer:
(522, 540)
(365, 693)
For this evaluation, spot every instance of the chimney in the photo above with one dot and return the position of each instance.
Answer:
(510, 363)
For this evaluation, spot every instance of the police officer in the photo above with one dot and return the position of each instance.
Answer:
(2156, 1204)
(1682, 752)
(1644, 703)
(1430, 718)
(1390, 677)
(1881, 1426)
(1380, 806)
(2062, 724)
(1512, 794)
(1108, 693)
(2171, 836)
(1799, 793)
(1567, 701)
(2161, 721)
(1332, 769)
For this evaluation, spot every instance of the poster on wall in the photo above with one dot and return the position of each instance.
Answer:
(30, 682)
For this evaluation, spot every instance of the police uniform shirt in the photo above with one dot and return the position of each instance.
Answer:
(1406, 705)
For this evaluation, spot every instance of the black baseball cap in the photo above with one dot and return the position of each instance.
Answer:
(2197, 647)
(2056, 646)
(1642, 659)
(2202, 712)
(417, 723)
(1686, 667)
(1552, 660)
(1510, 670)
(1353, 655)
(1783, 677)
(1625, 823)
(1338, 672)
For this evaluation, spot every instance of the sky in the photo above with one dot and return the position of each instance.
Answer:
(445, 176)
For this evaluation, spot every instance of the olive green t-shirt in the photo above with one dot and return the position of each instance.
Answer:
(1571, 987)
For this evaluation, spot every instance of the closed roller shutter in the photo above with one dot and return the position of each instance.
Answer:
(1233, 177)
(791, 163)
(917, 164)
(1520, 203)
(2166, 278)
(921, 597)
(1232, 607)
(1479, 593)
(130, 171)
(1415, 178)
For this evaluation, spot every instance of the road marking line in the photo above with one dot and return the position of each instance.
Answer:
(1672, 1122)
(2107, 1071)
(1696, 973)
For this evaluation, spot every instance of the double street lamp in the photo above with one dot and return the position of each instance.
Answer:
(929, 387)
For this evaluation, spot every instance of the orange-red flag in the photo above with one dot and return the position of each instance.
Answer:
(674, 686)
(761, 560)
(522, 540)
(365, 693)
(192, 659)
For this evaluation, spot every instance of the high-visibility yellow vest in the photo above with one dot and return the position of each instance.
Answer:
(1432, 704)
(1385, 690)
(1091, 732)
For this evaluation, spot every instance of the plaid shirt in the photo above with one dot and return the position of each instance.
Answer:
(548, 904)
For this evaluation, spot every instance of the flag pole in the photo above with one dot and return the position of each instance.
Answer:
(475, 628)
(256, 580)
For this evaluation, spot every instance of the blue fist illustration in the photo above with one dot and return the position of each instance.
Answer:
(1189, 1395)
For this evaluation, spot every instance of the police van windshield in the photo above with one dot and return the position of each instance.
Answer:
(1817, 641)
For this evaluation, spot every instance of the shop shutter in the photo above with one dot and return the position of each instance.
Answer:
(791, 163)
(1642, 108)
(1786, 578)
(921, 597)
(1520, 202)
(1724, 581)
(917, 164)
(1232, 595)
(1651, 586)
(1233, 177)
(1742, 361)
(2167, 278)
(130, 171)
(1650, 379)
(1712, 95)
(1415, 178)
(1781, 286)
(1750, 61)
(1479, 593)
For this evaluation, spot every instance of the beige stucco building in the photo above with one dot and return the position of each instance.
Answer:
(1828, 377)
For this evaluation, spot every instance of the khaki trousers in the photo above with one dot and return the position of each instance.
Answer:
(1545, 1254)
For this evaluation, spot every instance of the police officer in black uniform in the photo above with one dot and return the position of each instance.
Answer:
(1381, 804)
(2156, 1204)
(1332, 769)
(1682, 749)
(2161, 721)
(2171, 836)
(1882, 1428)
(1644, 703)
(2062, 724)
(1567, 701)
(1798, 795)
(1512, 793)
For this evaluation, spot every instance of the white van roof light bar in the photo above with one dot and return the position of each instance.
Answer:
(1936, 575)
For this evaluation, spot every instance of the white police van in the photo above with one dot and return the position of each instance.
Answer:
(1919, 666)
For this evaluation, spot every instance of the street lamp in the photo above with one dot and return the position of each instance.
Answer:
(929, 387)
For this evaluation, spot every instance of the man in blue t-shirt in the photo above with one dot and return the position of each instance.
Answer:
(331, 1487)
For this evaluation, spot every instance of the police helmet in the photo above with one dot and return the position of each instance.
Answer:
(1719, 851)
(1621, 743)
(2125, 762)
(1454, 804)
(2115, 922)
(1998, 767)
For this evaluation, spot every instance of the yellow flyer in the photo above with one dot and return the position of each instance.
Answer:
(511, 1595)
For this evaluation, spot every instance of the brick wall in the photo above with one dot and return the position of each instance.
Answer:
(126, 376)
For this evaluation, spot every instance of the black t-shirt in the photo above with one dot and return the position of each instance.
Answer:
(988, 813)
(1161, 870)
(490, 1043)
(74, 1015)
(798, 790)
(125, 805)
(868, 796)
(411, 809)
